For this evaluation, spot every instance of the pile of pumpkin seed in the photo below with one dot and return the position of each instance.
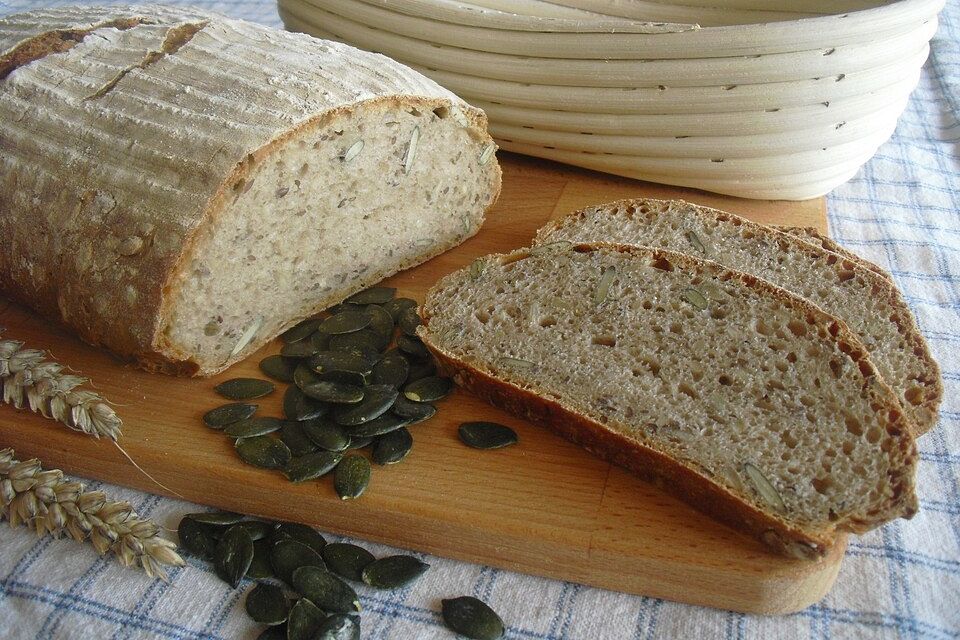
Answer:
(302, 590)
(349, 389)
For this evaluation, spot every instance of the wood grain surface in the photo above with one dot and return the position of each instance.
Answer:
(544, 506)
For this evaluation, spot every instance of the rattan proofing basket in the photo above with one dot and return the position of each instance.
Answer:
(740, 97)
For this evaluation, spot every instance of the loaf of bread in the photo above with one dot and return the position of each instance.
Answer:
(747, 401)
(869, 303)
(181, 187)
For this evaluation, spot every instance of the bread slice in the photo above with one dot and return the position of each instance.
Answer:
(181, 187)
(869, 303)
(824, 242)
(748, 402)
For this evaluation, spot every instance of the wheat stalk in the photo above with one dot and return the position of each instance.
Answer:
(49, 504)
(30, 380)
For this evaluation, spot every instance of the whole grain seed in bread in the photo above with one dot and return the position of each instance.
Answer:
(757, 407)
(181, 187)
(869, 303)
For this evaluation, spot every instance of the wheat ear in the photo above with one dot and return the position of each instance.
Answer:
(30, 380)
(49, 504)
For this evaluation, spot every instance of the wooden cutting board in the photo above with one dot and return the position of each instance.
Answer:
(544, 507)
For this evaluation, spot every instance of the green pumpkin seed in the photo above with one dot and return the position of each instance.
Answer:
(428, 389)
(293, 435)
(327, 591)
(378, 426)
(278, 632)
(413, 411)
(303, 376)
(359, 442)
(297, 406)
(312, 465)
(763, 486)
(550, 247)
(373, 295)
(352, 151)
(348, 367)
(603, 287)
(304, 620)
(694, 297)
(228, 414)
(413, 346)
(347, 321)
(486, 435)
(363, 341)
(244, 388)
(472, 618)
(301, 331)
(695, 241)
(299, 350)
(393, 572)
(195, 538)
(256, 529)
(335, 392)
(340, 308)
(477, 268)
(320, 341)
(253, 427)
(260, 568)
(278, 368)
(421, 369)
(381, 322)
(377, 399)
(266, 604)
(347, 560)
(409, 320)
(392, 447)
(263, 451)
(352, 476)
(327, 435)
(393, 369)
(352, 361)
(288, 555)
(216, 518)
(338, 627)
(398, 305)
(233, 555)
(302, 534)
(487, 153)
(411, 150)
(346, 377)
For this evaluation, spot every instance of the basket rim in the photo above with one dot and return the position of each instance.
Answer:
(388, 17)
(828, 25)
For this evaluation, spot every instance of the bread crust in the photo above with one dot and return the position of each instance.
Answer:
(923, 415)
(812, 235)
(686, 482)
(62, 237)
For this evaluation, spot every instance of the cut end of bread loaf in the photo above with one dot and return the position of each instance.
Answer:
(337, 205)
(869, 303)
(743, 399)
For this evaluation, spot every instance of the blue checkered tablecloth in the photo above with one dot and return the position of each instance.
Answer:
(902, 581)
